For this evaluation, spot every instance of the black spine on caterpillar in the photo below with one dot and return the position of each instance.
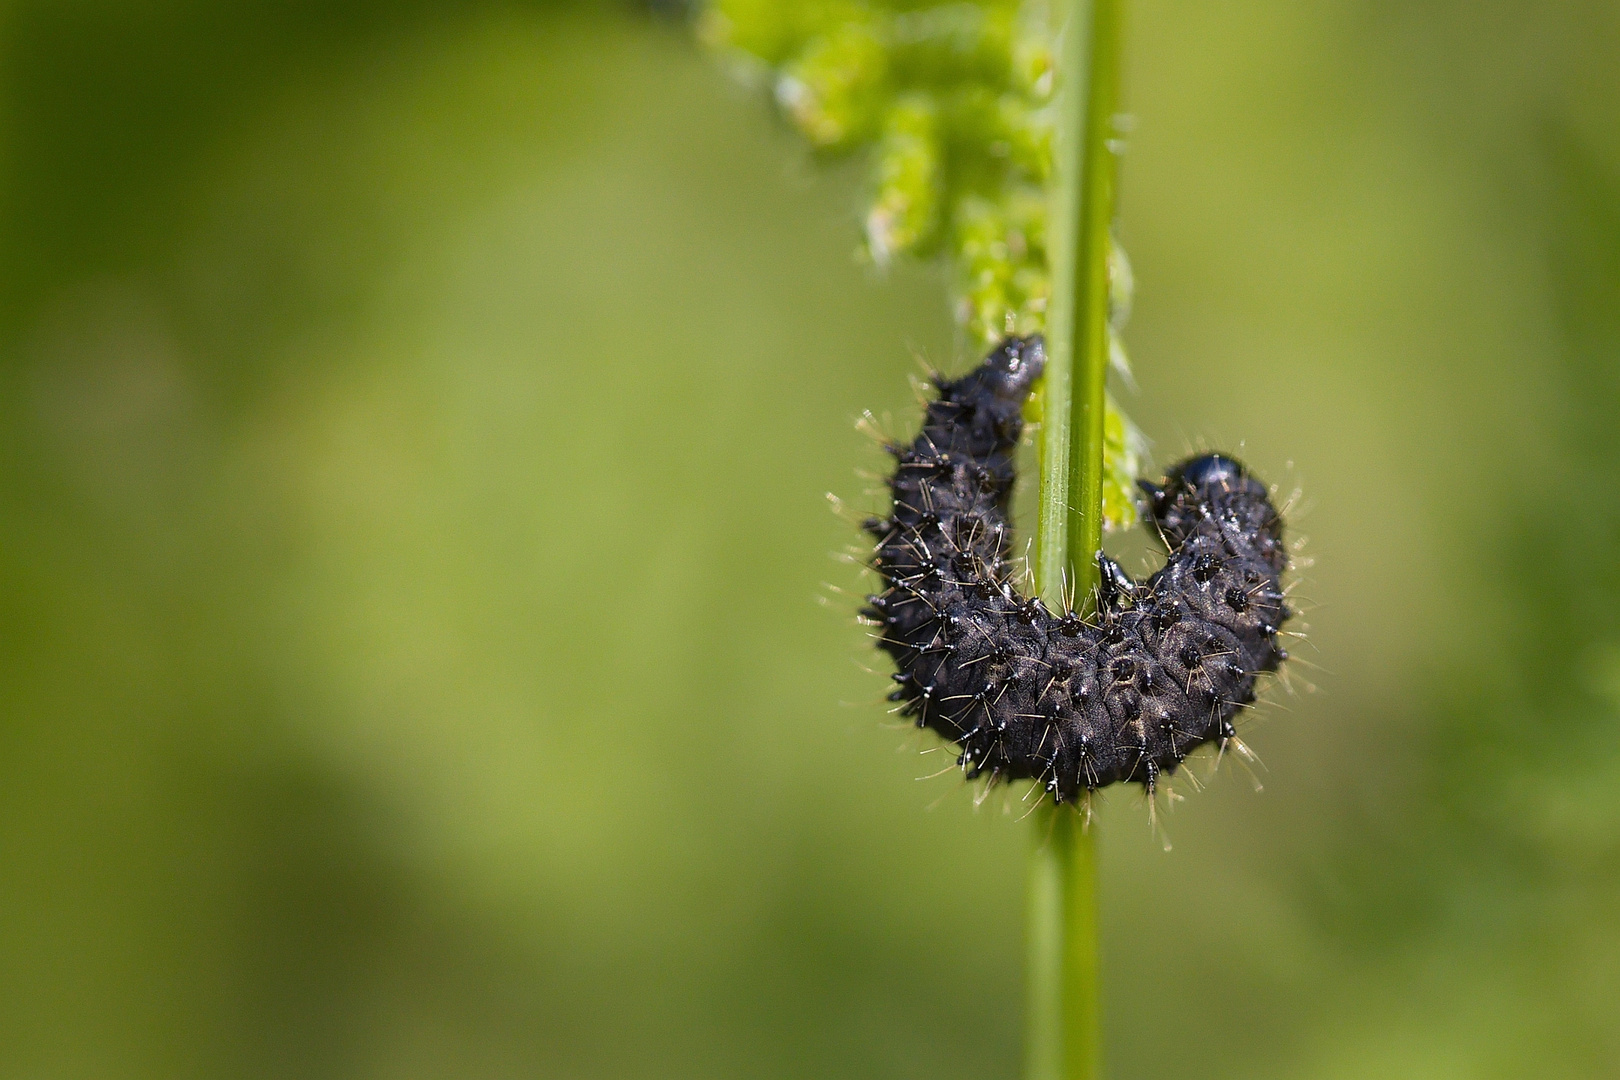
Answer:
(1162, 666)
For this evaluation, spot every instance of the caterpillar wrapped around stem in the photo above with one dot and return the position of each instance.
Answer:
(1160, 668)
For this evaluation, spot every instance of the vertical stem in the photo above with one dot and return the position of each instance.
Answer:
(1069, 532)
(1064, 1033)
(1088, 304)
(1063, 1025)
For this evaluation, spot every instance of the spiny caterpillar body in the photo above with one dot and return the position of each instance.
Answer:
(1074, 704)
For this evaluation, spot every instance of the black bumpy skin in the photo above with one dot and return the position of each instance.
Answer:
(1160, 669)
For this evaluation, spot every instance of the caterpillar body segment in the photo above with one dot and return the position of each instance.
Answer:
(1162, 666)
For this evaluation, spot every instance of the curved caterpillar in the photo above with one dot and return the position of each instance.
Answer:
(1073, 704)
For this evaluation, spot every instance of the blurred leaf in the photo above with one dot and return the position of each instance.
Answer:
(954, 104)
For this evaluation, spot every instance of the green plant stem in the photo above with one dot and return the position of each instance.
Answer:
(1064, 1029)
(1064, 1021)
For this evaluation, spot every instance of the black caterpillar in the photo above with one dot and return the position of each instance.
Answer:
(1074, 704)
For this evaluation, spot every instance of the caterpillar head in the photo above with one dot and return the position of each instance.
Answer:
(1204, 484)
(1209, 473)
(1013, 366)
(989, 400)
(1004, 379)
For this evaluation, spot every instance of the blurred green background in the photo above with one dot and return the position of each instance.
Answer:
(415, 658)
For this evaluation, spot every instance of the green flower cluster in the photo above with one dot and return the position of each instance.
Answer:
(953, 103)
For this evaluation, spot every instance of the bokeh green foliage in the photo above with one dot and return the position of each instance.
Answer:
(955, 100)
(414, 422)
(952, 105)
